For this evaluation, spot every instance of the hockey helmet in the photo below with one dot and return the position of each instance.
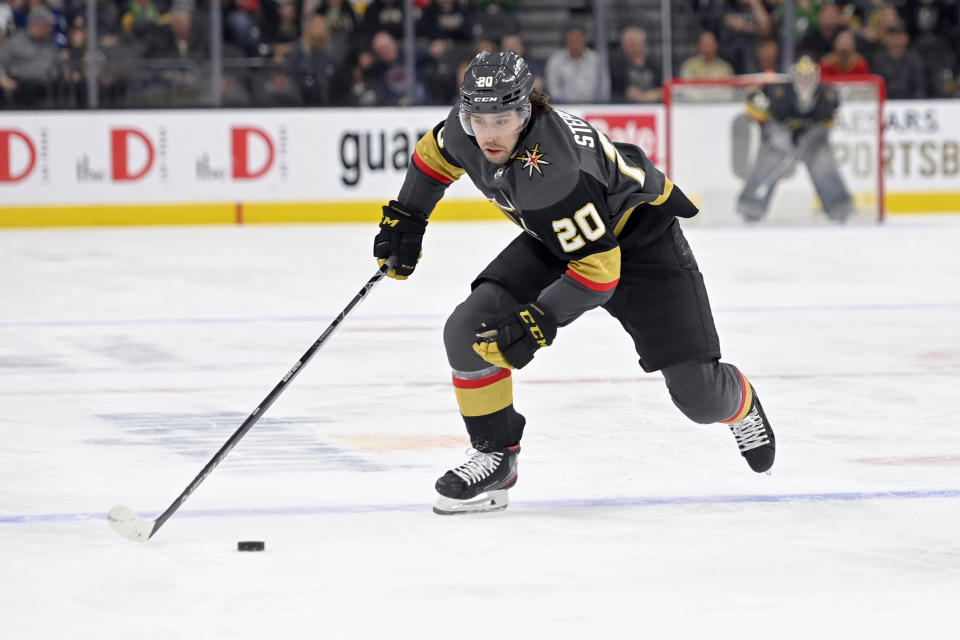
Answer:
(495, 84)
(805, 75)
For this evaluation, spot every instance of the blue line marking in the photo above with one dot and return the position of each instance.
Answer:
(419, 317)
(640, 501)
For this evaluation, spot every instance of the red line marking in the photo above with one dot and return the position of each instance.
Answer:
(446, 384)
(913, 460)
(239, 213)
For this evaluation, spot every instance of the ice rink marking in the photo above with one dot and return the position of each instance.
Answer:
(570, 503)
(938, 372)
(19, 324)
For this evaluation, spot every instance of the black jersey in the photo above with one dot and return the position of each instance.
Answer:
(566, 185)
(779, 102)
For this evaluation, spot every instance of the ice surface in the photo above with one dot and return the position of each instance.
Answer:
(128, 356)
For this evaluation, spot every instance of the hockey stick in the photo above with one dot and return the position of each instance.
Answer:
(128, 524)
(781, 169)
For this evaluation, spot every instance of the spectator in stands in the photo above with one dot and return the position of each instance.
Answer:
(109, 18)
(61, 24)
(241, 25)
(391, 71)
(929, 28)
(439, 76)
(311, 64)
(902, 69)
(818, 42)
(844, 59)
(495, 19)
(929, 17)
(29, 62)
(7, 23)
(950, 82)
(342, 24)
(706, 64)
(573, 72)
(446, 20)
(513, 42)
(632, 77)
(183, 39)
(483, 44)
(881, 19)
(804, 18)
(74, 57)
(384, 15)
(183, 49)
(140, 11)
(356, 83)
(768, 56)
(281, 26)
(143, 24)
(743, 25)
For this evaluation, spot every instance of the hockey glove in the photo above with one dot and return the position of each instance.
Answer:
(511, 341)
(401, 234)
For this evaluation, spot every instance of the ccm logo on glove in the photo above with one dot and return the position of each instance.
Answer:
(511, 341)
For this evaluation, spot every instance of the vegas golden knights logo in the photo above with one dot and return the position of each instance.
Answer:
(533, 159)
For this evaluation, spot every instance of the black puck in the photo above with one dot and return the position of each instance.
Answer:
(250, 545)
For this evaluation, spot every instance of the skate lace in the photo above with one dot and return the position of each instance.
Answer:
(479, 466)
(750, 432)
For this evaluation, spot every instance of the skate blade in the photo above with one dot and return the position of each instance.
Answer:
(483, 503)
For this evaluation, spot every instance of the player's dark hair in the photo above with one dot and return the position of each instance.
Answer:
(540, 102)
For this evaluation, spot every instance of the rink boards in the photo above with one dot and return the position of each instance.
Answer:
(339, 165)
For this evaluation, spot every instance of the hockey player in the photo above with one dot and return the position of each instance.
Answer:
(599, 228)
(795, 118)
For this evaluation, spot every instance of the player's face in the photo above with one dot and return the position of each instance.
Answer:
(497, 133)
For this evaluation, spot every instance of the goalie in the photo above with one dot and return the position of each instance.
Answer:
(795, 118)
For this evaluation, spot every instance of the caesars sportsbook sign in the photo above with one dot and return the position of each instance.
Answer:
(330, 155)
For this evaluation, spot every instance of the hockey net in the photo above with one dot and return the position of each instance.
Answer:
(711, 144)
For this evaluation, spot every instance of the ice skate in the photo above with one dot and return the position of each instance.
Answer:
(755, 437)
(478, 485)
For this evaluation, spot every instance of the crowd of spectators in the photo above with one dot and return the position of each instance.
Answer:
(351, 53)
(913, 45)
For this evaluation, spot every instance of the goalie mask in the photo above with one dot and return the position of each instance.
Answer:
(495, 96)
(805, 75)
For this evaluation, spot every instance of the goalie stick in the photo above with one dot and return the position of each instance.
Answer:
(128, 524)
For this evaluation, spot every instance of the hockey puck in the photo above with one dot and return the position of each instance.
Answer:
(250, 545)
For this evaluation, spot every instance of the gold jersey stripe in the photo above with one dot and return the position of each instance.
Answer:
(622, 222)
(627, 169)
(483, 401)
(429, 151)
(600, 267)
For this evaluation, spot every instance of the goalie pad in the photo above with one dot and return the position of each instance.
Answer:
(776, 158)
(814, 149)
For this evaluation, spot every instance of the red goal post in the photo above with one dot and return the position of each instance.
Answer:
(710, 144)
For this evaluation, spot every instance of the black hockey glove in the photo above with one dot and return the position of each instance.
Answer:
(401, 235)
(511, 341)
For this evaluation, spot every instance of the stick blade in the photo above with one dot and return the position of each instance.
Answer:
(128, 524)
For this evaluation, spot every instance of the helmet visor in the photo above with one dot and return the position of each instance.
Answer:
(497, 124)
